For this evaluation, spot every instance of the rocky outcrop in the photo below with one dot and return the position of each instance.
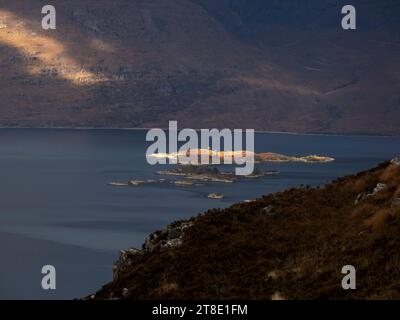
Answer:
(170, 237)
(362, 196)
(125, 260)
(268, 210)
(396, 161)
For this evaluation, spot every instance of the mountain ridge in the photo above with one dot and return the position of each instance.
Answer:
(235, 64)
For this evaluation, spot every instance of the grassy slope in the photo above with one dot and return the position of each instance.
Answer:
(295, 252)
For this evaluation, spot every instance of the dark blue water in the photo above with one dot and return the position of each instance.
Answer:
(56, 207)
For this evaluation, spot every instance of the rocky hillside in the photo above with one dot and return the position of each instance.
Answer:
(268, 65)
(289, 245)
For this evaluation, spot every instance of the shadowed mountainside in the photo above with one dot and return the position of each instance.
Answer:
(288, 245)
(268, 65)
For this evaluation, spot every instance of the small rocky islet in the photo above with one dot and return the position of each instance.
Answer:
(188, 175)
(193, 176)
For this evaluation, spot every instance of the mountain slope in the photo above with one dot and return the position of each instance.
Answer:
(268, 65)
(289, 245)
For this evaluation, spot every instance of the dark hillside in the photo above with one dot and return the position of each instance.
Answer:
(289, 245)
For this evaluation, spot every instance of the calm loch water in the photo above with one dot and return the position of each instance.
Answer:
(56, 207)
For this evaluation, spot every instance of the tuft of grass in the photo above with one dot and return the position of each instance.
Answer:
(377, 221)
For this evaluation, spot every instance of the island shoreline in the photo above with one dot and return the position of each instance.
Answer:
(293, 133)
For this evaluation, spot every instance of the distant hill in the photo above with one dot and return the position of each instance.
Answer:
(269, 65)
(288, 245)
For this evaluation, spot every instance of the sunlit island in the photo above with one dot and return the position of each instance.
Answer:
(181, 157)
(275, 157)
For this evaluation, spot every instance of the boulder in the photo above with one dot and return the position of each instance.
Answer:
(379, 187)
(396, 161)
(125, 260)
(268, 210)
(362, 196)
